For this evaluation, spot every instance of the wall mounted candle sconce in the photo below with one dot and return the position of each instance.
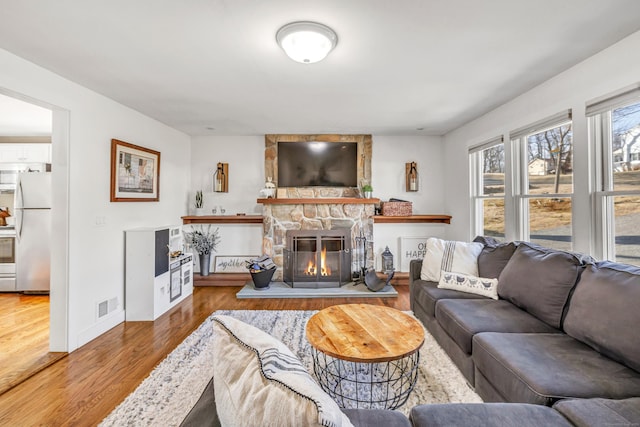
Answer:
(411, 172)
(221, 178)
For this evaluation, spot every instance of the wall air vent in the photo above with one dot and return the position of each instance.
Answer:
(107, 306)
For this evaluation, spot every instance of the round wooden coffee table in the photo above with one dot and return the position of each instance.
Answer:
(365, 356)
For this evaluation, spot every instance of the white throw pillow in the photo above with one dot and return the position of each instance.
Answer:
(258, 381)
(470, 284)
(459, 257)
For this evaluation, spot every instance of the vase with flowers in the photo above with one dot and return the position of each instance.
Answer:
(205, 242)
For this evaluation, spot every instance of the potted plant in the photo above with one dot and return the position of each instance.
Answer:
(367, 189)
(204, 242)
(199, 209)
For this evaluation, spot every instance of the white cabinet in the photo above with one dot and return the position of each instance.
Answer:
(155, 282)
(25, 153)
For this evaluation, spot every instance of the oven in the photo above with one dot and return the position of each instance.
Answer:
(7, 260)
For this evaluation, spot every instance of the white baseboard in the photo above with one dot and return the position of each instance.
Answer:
(99, 328)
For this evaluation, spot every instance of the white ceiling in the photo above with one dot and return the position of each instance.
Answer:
(399, 65)
(19, 118)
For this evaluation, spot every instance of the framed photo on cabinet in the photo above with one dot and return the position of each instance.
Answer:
(135, 173)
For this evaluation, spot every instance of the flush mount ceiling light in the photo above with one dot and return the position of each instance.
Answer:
(306, 42)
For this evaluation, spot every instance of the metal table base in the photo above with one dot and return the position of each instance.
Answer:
(377, 385)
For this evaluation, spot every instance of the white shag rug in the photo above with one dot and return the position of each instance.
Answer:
(167, 395)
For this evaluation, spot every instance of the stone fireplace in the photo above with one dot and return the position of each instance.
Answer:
(317, 208)
(352, 216)
(317, 258)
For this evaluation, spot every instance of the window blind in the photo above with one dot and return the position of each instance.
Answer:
(487, 144)
(628, 95)
(541, 125)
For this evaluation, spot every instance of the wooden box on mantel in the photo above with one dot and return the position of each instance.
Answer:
(396, 208)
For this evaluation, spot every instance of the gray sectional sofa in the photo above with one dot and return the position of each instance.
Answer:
(566, 328)
(560, 347)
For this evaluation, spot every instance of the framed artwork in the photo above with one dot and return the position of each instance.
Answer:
(411, 248)
(135, 173)
(232, 263)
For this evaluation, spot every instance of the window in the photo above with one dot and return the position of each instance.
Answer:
(615, 134)
(544, 181)
(487, 189)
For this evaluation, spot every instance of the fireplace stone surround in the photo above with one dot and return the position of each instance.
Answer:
(316, 208)
(280, 215)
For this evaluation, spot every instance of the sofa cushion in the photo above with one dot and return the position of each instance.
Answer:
(485, 415)
(603, 311)
(460, 257)
(469, 284)
(494, 258)
(462, 319)
(259, 381)
(539, 280)
(542, 368)
(427, 294)
(376, 417)
(600, 412)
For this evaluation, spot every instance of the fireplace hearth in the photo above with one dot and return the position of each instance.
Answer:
(317, 258)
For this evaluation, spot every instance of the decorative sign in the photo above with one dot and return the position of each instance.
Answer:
(411, 248)
(232, 263)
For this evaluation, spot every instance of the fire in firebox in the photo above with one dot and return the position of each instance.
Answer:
(324, 268)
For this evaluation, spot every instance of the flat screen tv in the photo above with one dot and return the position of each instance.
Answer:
(317, 164)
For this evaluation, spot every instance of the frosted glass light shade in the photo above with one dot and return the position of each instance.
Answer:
(306, 42)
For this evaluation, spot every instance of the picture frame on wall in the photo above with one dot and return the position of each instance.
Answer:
(411, 248)
(135, 173)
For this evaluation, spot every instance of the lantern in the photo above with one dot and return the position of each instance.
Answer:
(221, 178)
(387, 261)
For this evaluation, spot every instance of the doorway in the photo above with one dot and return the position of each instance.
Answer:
(52, 308)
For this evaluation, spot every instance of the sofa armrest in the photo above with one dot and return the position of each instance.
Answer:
(415, 267)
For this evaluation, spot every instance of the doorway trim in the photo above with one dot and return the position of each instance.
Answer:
(59, 290)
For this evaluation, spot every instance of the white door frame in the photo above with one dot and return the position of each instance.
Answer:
(59, 292)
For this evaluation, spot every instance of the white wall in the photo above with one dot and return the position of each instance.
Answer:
(81, 161)
(390, 154)
(245, 155)
(611, 69)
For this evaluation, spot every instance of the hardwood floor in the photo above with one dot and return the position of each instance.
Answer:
(24, 338)
(84, 387)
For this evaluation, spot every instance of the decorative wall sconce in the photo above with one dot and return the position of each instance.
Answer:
(221, 178)
(411, 172)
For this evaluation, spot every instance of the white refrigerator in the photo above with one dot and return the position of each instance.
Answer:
(32, 212)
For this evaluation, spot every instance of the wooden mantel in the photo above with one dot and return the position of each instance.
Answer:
(222, 219)
(443, 219)
(319, 201)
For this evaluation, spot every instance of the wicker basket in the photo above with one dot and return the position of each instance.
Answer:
(397, 208)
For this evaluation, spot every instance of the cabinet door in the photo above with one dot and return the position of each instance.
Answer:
(25, 153)
(37, 153)
(12, 153)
